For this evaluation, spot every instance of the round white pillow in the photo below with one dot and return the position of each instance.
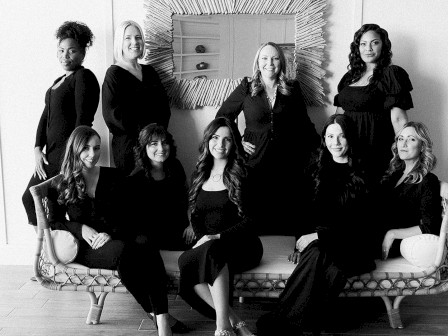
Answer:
(65, 245)
(420, 250)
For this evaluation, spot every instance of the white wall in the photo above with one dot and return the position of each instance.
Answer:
(28, 66)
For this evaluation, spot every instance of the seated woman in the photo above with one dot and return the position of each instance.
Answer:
(409, 192)
(158, 183)
(221, 221)
(86, 194)
(336, 248)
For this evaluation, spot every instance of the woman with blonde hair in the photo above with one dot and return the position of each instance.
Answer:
(274, 112)
(410, 192)
(133, 95)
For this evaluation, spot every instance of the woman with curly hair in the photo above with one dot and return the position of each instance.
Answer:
(86, 194)
(222, 222)
(334, 247)
(375, 94)
(273, 108)
(410, 192)
(71, 101)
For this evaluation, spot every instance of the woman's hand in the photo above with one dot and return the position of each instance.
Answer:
(305, 240)
(389, 238)
(189, 235)
(205, 239)
(88, 234)
(294, 257)
(100, 239)
(248, 147)
(40, 159)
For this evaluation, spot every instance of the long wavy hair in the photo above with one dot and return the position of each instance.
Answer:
(257, 84)
(150, 133)
(72, 186)
(426, 161)
(325, 160)
(234, 171)
(357, 66)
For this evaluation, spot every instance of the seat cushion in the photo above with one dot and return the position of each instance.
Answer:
(420, 250)
(65, 245)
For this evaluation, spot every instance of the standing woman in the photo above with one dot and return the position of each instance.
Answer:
(336, 247)
(376, 95)
(221, 221)
(133, 95)
(71, 101)
(274, 111)
(84, 201)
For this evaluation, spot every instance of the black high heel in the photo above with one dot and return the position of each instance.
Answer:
(177, 328)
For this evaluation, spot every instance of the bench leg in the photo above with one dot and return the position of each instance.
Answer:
(96, 307)
(393, 311)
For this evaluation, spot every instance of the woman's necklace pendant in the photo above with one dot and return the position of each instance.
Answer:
(216, 177)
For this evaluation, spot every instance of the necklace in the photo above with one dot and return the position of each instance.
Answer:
(216, 177)
(272, 100)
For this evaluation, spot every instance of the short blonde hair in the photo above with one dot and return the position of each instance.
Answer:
(119, 36)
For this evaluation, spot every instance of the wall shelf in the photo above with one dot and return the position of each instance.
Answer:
(188, 34)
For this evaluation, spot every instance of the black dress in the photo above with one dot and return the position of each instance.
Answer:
(129, 105)
(158, 210)
(275, 132)
(73, 103)
(370, 108)
(134, 262)
(238, 247)
(408, 205)
(340, 214)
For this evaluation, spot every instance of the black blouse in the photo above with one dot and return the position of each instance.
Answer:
(99, 213)
(72, 104)
(272, 130)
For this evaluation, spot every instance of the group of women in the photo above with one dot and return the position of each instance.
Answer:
(369, 156)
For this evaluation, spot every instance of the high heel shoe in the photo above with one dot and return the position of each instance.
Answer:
(237, 328)
(224, 332)
(177, 327)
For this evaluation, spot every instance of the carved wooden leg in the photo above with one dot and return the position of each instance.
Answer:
(393, 311)
(96, 307)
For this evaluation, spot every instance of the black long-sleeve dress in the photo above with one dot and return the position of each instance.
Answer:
(102, 213)
(158, 210)
(71, 104)
(408, 205)
(276, 133)
(239, 247)
(129, 105)
(339, 211)
(370, 108)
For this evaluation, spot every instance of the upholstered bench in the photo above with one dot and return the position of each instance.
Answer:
(392, 280)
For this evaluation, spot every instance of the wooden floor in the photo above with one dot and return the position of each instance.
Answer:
(26, 308)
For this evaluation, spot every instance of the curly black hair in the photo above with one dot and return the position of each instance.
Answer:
(357, 66)
(77, 31)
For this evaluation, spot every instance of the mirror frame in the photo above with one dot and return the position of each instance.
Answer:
(192, 93)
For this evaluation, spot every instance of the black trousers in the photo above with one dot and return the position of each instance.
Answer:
(140, 267)
(315, 280)
(27, 198)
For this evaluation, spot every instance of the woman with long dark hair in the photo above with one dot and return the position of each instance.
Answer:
(376, 95)
(334, 247)
(222, 222)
